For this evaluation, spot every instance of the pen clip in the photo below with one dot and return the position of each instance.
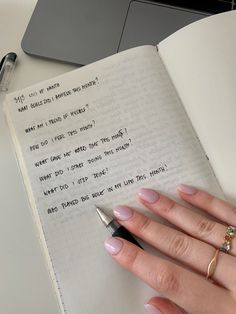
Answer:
(7, 65)
(1, 65)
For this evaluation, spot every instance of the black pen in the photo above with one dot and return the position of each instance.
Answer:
(115, 228)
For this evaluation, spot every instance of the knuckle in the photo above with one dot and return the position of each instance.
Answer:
(179, 245)
(167, 280)
(131, 259)
(205, 228)
(208, 200)
(168, 206)
(234, 210)
(144, 224)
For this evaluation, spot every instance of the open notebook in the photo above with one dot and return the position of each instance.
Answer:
(96, 134)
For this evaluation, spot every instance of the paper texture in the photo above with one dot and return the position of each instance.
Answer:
(200, 59)
(93, 136)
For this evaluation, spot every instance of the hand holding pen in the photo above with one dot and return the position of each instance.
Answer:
(115, 228)
(203, 278)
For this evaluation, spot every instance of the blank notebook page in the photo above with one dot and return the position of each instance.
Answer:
(200, 59)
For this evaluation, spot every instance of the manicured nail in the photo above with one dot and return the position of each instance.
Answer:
(123, 212)
(151, 309)
(113, 245)
(149, 196)
(187, 189)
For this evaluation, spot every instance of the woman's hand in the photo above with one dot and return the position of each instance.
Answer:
(194, 247)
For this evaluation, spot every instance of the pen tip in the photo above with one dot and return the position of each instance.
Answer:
(98, 210)
(105, 218)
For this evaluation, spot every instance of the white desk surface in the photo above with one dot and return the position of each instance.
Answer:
(25, 285)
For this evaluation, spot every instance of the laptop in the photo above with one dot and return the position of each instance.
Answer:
(83, 31)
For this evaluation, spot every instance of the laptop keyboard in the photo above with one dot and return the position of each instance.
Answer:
(210, 6)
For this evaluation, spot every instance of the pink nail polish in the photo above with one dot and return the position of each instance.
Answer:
(148, 195)
(113, 245)
(187, 189)
(123, 212)
(151, 309)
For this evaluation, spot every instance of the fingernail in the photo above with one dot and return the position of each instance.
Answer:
(123, 212)
(187, 189)
(151, 309)
(149, 196)
(113, 245)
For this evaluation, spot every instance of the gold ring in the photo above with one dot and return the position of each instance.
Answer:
(212, 265)
(229, 235)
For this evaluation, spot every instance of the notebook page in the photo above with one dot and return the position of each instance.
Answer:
(93, 136)
(200, 59)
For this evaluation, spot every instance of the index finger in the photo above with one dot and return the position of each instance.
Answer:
(183, 287)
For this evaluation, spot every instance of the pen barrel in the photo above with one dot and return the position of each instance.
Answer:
(123, 233)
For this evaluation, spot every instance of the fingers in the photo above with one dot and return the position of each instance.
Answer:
(179, 285)
(176, 244)
(160, 305)
(191, 222)
(216, 207)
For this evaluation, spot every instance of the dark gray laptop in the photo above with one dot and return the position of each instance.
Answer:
(83, 31)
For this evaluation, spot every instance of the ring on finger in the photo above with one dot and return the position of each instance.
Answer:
(212, 265)
(229, 235)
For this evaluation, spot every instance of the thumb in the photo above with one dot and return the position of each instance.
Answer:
(158, 305)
